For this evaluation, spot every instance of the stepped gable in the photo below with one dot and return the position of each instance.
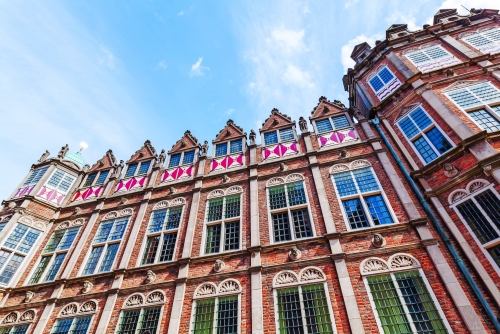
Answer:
(188, 141)
(358, 49)
(276, 120)
(147, 151)
(107, 161)
(326, 107)
(395, 28)
(442, 13)
(230, 131)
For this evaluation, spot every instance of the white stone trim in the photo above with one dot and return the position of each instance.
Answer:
(306, 275)
(396, 262)
(155, 297)
(356, 164)
(68, 224)
(115, 214)
(28, 221)
(290, 178)
(229, 286)
(74, 309)
(473, 186)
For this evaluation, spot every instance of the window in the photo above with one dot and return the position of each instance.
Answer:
(35, 176)
(78, 325)
(426, 138)
(137, 169)
(289, 211)
(53, 255)
(61, 181)
(383, 83)
(486, 41)
(105, 246)
(18, 244)
(98, 177)
(361, 197)
(90, 180)
(284, 135)
(234, 146)
(162, 235)
(431, 58)
(332, 123)
(476, 101)
(222, 227)
(139, 321)
(185, 157)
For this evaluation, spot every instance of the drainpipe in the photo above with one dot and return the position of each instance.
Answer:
(456, 257)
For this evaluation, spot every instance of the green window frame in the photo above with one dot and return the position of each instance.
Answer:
(140, 320)
(222, 224)
(216, 315)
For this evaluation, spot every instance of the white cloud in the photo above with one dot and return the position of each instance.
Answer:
(83, 145)
(197, 69)
(107, 58)
(230, 111)
(180, 13)
(403, 18)
(346, 49)
(161, 65)
(296, 76)
(289, 39)
(350, 3)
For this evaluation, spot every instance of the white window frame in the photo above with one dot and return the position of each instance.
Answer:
(279, 137)
(432, 60)
(37, 170)
(421, 134)
(139, 164)
(98, 175)
(481, 33)
(216, 194)
(162, 205)
(228, 148)
(360, 164)
(349, 120)
(376, 74)
(142, 304)
(290, 179)
(80, 313)
(181, 160)
(65, 174)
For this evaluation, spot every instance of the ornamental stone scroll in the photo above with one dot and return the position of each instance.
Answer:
(306, 275)
(74, 308)
(138, 299)
(356, 164)
(209, 289)
(26, 220)
(16, 317)
(276, 181)
(396, 262)
(472, 187)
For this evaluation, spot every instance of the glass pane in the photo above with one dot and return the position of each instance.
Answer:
(420, 118)
(296, 193)
(118, 229)
(232, 236)
(227, 315)
(54, 241)
(92, 261)
(344, 184)
(20, 329)
(149, 320)
(324, 125)
(418, 57)
(477, 222)
(270, 138)
(281, 227)
(204, 316)
(425, 150)
(44, 262)
(496, 109)
(28, 240)
(289, 313)
(16, 236)
(365, 180)
(376, 83)
(286, 134)
(436, 52)
(188, 157)
(81, 325)
(11, 268)
(355, 213)
(103, 232)
(90, 179)
(56, 178)
(215, 209)
(131, 170)
(62, 326)
(128, 322)
(213, 239)
(388, 305)
(438, 140)
(2, 226)
(175, 160)
(157, 219)
(144, 167)
(220, 149)
(109, 258)
(385, 75)
(174, 218)
(35, 176)
(378, 210)
(3, 257)
(486, 92)
(477, 40)
(54, 268)
(301, 224)
(495, 253)
(491, 205)
(463, 98)
(277, 197)
(485, 120)
(340, 122)
(316, 309)
(493, 34)
(408, 127)
(65, 183)
(151, 248)
(68, 238)
(168, 247)
(232, 206)
(236, 146)
(102, 177)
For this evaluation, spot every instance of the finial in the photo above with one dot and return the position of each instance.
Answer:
(83, 145)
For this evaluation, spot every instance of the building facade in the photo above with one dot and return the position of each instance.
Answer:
(381, 216)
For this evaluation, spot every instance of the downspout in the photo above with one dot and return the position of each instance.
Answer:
(442, 233)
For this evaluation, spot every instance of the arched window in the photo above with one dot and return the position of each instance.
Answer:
(17, 323)
(75, 318)
(141, 314)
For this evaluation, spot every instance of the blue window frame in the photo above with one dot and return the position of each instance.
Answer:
(72, 325)
(332, 123)
(236, 146)
(143, 169)
(220, 149)
(188, 157)
(175, 159)
(270, 138)
(284, 135)
(102, 177)
(35, 176)
(381, 79)
(131, 170)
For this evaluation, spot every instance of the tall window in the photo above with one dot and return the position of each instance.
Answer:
(361, 196)
(431, 58)
(279, 136)
(289, 211)
(35, 176)
(481, 103)
(234, 146)
(383, 83)
(96, 178)
(105, 246)
(185, 157)
(222, 227)
(139, 321)
(79, 325)
(486, 41)
(53, 255)
(12, 253)
(61, 181)
(22, 329)
(162, 235)
(216, 311)
(137, 169)
(332, 123)
(426, 137)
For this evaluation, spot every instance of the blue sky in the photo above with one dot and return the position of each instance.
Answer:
(115, 73)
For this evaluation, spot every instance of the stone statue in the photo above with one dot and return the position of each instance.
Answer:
(204, 148)
(63, 151)
(303, 124)
(44, 156)
(225, 179)
(29, 296)
(219, 266)
(283, 167)
(119, 168)
(150, 277)
(378, 240)
(449, 170)
(87, 286)
(344, 154)
(86, 168)
(294, 253)
(252, 137)
(161, 158)
(173, 190)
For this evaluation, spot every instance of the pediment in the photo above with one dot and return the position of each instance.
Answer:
(326, 107)
(461, 84)
(276, 120)
(106, 162)
(147, 151)
(188, 141)
(405, 111)
(230, 131)
(395, 28)
(442, 13)
(358, 49)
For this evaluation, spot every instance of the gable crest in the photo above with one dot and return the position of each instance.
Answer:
(276, 120)
(147, 151)
(107, 161)
(326, 107)
(188, 141)
(230, 131)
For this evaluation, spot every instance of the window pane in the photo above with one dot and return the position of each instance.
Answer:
(118, 229)
(418, 57)
(92, 261)
(463, 98)
(65, 183)
(3, 257)
(496, 109)
(81, 325)
(438, 140)
(68, 238)
(296, 194)
(109, 258)
(56, 178)
(376, 83)
(477, 222)
(324, 125)
(62, 326)
(35, 176)
(485, 120)
(236, 146)
(28, 241)
(227, 315)
(220, 149)
(289, 313)
(423, 312)
(425, 150)
(345, 184)
(44, 262)
(54, 268)
(157, 219)
(495, 253)
(90, 179)
(15, 236)
(492, 34)
(340, 122)
(174, 218)
(477, 40)
(385, 75)
(175, 160)
(277, 197)
(232, 236)
(103, 232)
(151, 248)
(168, 247)
(131, 170)
(365, 179)
(144, 167)
(204, 316)
(20, 329)
(54, 241)
(355, 213)
(232, 206)
(281, 227)
(128, 322)
(316, 309)
(491, 205)
(378, 210)
(215, 209)
(2, 226)
(188, 157)
(213, 239)
(286, 134)
(11, 268)
(270, 138)
(102, 177)
(420, 118)
(408, 127)
(436, 52)
(486, 92)
(301, 224)
(148, 322)
(388, 305)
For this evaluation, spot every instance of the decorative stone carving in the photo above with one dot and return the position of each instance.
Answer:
(466, 22)
(225, 179)
(457, 196)
(150, 277)
(474, 186)
(87, 286)
(160, 205)
(88, 307)
(294, 253)
(402, 260)
(360, 164)
(10, 318)
(12, 205)
(28, 315)
(374, 265)
(44, 156)
(78, 222)
(378, 240)
(183, 143)
(216, 193)
(111, 215)
(252, 137)
(70, 309)
(178, 201)
(63, 151)
(77, 210)
(311, 274)
(29, 296)
(118, 170)
(206, 289)
(229, 286)
(286, 277)
(294, 178)
(449, 170)
(283, 167)
(123, 200)
(127, 212)
(219, 266)
(450, 72)
(161, 159)
(204, 148)
(275, 181)
(172, 190)
(303, 124)
(339, 168)
(234, 190)
(275, 121)
(344, 154)
(134, 300)
(487, 169)
(155, 297)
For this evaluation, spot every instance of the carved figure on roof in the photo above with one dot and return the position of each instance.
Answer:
(63, 151)
(161, 158)
(119, 168)
(303, 124)
(204, 148)
(44, 156)
(252, 137)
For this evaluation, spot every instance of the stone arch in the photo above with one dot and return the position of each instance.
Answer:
(205, 289)
(234, 190)
(403, 261)
(457, 195)
(275, 181)
(475, 185)
(339, 168)
(28, 315)
(127, 212)
(178, 201)
(156, 296)
(69, 309)
(11, 318)
(311, 274)
(111, 215)
(135, 299)
(161, 205)
(216, 193)
(285, 277)
(89, 307)
(362, 163)
(229, 286)
(373, 265)
(295, 177)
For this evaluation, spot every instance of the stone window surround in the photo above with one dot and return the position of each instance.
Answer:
(422, 48)
(329, 117)
(359, 164)
(218, 193)
(375, 73)
(443, 133)
(96, 178)
(169, 155)
(16, 318)
(291, 178)
(478, 31)
(227, 142)
(77, 311)
(278, 128)
(66, 173)
(161, 205)
(141, 302)
(390, 267)
(139, 163)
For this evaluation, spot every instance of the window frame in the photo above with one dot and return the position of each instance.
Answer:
(65, 174)
(349, 120)
(79, 313)
(141, 308)
(432, 60)
(37, 170)
(98, 175)
(181, 159)
(421, 134)
(136, 172)
(376, 74)
(228, 148)
(481, 33)
(277, 130)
